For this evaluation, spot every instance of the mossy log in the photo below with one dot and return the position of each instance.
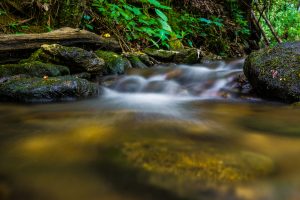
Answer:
(16, 47)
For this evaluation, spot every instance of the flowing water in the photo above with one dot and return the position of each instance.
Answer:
(170, 132)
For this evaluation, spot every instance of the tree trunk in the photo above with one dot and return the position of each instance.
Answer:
(16, 47)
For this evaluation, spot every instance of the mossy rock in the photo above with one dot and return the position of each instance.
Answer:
(34, 68)
(139, 59)
(136, 62)
(187, 56)
(209, 165)
(114, 63)
(83, 75)
(161, 55)
(275, 72)
(185, 168)
(78, 60)
(40, 55)
(53, 89)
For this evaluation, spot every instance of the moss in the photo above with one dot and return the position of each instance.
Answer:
(209, 164)
(114, 63)
(188, 56)
(34, 68)
(162, 55)
(46, 90)
(70, 12)
(136, 62)
(77, 59)
(175, 43)
(274, 72)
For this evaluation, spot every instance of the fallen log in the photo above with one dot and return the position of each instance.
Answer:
(16, 47)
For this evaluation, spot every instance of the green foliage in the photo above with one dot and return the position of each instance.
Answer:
(285, 18)
(238, 16)
(2, 12)
(138, 23)
(147, 23)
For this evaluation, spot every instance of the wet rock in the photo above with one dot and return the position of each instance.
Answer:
(239, 87)
(46, 89)
(275, 72)
(165, 87)
(130, 84)
(77, 59)
(7, 78)
(34, 68)
(142, 59)
(188, 169)
(114, 63)
(187, 56)
(136, 62)
(210, 164)
(161, 55)
(83, 75)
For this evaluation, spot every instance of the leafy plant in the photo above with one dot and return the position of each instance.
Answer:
(238, 16)
(147, 23)
(2, 12)
(285, 18)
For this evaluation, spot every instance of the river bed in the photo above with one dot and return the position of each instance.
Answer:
(169, 132)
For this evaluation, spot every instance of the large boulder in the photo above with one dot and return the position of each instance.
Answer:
(275, 72)
(53, 89)
(77, 59)
(34, 68)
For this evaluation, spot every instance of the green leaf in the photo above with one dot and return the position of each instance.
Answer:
(154, 43)
(89, 26)
(165, 25)
(207, 21)
(161, 15)
(190, 43)
(136, 11)
(158, 4)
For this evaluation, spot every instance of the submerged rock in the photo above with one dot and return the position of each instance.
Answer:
(46, 89)
(114, 63)
(210, 164)
(34, 68)
(77, 59)
(187, 56)
(275, 72)
(190, 169)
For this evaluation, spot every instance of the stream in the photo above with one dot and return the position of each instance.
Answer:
(170, 132)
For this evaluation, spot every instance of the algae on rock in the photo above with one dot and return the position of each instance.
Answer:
(186, 56)
(34, 68)
(78, 60)
(114, 63)
(275, 72)
(46, 90)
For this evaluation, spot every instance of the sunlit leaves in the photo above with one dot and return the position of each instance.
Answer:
(138, 23)
(161, 15)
